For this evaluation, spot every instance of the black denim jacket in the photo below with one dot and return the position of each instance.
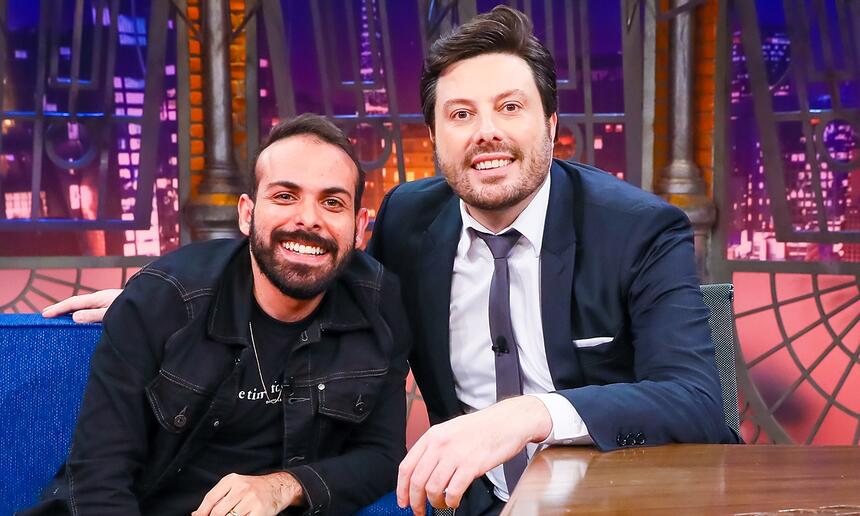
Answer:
(166, 371)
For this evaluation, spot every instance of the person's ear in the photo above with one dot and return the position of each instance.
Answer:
(362, 218)
(246, 212)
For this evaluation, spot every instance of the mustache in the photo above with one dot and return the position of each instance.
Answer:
(515, 152)
(306, 237)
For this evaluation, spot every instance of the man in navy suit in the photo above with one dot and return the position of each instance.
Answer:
(605, 311)
(611, 331)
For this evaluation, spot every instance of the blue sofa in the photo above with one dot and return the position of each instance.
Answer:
(43, 371)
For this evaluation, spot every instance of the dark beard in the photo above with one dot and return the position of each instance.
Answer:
(296, 280)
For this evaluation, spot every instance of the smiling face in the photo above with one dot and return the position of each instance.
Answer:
(492, 139)
(303, 226)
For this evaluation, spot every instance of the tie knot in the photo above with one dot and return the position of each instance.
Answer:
(500, 245)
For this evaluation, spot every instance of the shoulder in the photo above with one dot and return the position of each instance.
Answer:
(369, 279)
(418, 197)
(366, 277)
(602, 194)
(163, 293)
(406, 213)
(195, 266)
(429, 186)
(363, 271)
(376, 290)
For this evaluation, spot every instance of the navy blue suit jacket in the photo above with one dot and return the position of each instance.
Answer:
(616, 261)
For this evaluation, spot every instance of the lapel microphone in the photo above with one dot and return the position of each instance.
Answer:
(501, 345)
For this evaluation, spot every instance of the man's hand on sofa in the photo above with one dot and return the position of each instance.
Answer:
(261, 495)
(86, 308)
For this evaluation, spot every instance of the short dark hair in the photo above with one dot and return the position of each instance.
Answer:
(315, 126)
(503, 30)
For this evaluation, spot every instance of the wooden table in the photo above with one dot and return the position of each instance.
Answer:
(691, 479)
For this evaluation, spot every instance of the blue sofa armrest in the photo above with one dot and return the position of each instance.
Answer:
(387, 506)
(43, 371)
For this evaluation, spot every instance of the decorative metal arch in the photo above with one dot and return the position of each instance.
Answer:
(777, 87)
(43, 286)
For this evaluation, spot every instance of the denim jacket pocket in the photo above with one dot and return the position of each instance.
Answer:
(350, 396)
(177, 404)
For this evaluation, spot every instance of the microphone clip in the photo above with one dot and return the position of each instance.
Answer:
(501, 346)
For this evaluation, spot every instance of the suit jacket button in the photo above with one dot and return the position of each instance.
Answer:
(640, 438)
(619, 440)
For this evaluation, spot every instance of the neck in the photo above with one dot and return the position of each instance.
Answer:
(497, 220)
(276, 304)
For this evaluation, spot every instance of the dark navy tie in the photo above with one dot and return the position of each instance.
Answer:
(509, 381)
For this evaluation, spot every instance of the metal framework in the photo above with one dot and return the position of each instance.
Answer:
(86, 97)
(39, 281)
(433, 19)
(98, 123)
(812, 67)
(805, 73)
(763, 411)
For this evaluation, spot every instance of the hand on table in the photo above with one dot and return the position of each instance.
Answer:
(242, 495)
(86, 308)
(449, 456)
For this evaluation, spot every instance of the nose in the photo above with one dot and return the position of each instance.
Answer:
(487, 131)
(307, 215)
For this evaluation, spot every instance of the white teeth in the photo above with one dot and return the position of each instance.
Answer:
(493, 163)
(302, 249)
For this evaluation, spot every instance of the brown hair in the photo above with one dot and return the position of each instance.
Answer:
(502, 30)
(318, 127)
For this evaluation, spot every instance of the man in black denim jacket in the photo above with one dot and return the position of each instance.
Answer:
(239, 377)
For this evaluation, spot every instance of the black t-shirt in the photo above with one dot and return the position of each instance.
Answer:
(250, 441)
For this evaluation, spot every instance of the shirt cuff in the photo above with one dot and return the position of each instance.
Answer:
(567, 426)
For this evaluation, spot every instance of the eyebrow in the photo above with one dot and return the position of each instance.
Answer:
(516, 92)
(332, 190)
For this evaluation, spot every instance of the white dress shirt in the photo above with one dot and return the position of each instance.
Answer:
(472, 359)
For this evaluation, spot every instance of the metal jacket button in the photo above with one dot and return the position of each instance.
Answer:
(360, 406)
(180, 419)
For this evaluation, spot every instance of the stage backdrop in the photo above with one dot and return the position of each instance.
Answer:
(789, 197)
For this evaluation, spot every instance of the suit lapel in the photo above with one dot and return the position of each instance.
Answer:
(437, 263)
(558, 260)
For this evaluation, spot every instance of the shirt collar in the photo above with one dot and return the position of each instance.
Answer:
(530, 223)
